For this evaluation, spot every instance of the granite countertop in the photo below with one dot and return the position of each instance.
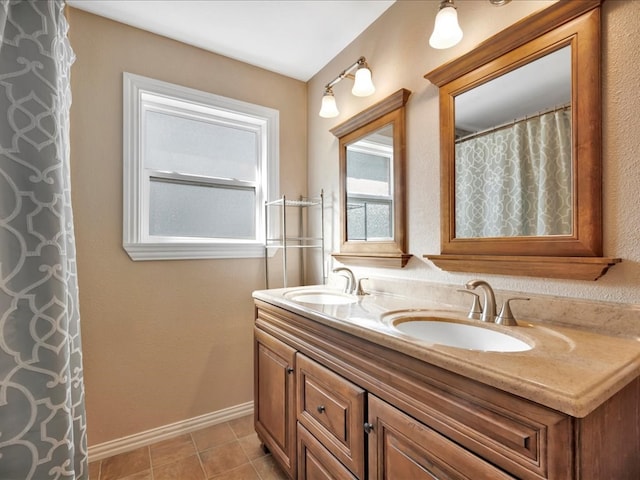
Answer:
(570, 370)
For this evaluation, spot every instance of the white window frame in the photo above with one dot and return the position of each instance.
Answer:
(141, 93)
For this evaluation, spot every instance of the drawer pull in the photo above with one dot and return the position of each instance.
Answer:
(289, 369)
(368, 427)
(320, 408)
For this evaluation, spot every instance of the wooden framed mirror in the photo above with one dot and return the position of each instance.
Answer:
(521, 183)
(372, 185)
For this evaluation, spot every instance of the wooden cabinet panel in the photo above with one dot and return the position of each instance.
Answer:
(509, 431)
(610, 438)
(274, 410)
(401, 448)
(332, 408)
(316, 462)
(446, 420)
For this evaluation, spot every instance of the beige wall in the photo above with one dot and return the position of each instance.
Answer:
(163, 341)
(168, 341)
(396, 47)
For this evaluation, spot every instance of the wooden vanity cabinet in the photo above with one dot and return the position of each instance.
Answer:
(357, 409)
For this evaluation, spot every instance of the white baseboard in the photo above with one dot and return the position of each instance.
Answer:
(142, 439)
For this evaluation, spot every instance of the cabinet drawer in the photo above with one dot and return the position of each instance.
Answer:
(511, 432)
(315, 462)
(332, 409)
(401, 448)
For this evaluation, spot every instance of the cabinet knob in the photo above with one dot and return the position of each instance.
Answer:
(368, 427)
(289, 369)
(320, 408)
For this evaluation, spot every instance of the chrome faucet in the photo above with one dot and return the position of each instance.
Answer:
(489, 299)
(351, 278)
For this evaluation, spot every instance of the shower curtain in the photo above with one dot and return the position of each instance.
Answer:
(42, 417)
(516, 180)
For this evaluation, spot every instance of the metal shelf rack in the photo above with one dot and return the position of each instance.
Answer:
(284, 240)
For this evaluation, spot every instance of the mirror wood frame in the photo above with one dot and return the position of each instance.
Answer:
(579, 255)
(390, 110)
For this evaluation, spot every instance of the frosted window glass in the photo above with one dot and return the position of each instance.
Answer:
(185, 145)
(368, 220)
(188, 210)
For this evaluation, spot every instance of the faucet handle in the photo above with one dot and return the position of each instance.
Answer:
(506, 317)
(476, 309)
(359, 290)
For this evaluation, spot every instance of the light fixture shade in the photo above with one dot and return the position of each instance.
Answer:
(363, 85)
(446, 32)
(328, 109)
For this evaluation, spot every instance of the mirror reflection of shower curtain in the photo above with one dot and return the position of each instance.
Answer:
(517, 180)
(42, 411)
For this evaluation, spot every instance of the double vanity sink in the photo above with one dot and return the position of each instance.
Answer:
(423, 325)
(564, 368)
(439, 391)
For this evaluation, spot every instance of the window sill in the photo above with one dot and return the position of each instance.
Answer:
(192, 251)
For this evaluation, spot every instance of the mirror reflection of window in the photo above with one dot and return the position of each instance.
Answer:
(369, 177)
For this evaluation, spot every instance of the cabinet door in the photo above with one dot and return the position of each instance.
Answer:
(274, 410)
(401, 448)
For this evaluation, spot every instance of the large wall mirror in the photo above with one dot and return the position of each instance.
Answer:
(372, 188)
(520, 149)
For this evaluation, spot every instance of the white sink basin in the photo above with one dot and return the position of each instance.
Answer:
(321, 297)
(460, 335)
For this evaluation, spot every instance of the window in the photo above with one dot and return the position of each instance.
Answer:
(198, 168)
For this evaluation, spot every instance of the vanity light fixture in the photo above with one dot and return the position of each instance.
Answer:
(328, 108)
(362, 87)
(447, 31)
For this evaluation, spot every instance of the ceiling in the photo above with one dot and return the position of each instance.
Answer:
(293, 38)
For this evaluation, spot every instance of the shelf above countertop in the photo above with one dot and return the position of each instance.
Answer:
(575, 268)
(387, 260)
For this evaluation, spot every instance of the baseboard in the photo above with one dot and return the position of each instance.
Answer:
(142, 439)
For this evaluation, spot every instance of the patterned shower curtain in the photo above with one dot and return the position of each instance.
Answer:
(42, 417)
(516, 181)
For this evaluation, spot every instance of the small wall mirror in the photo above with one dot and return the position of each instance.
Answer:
(372, 146)
(369, 187)
(520, 149)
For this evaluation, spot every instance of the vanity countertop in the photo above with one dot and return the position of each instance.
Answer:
(570, 370)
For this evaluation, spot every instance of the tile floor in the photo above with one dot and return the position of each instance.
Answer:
(228, 451)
